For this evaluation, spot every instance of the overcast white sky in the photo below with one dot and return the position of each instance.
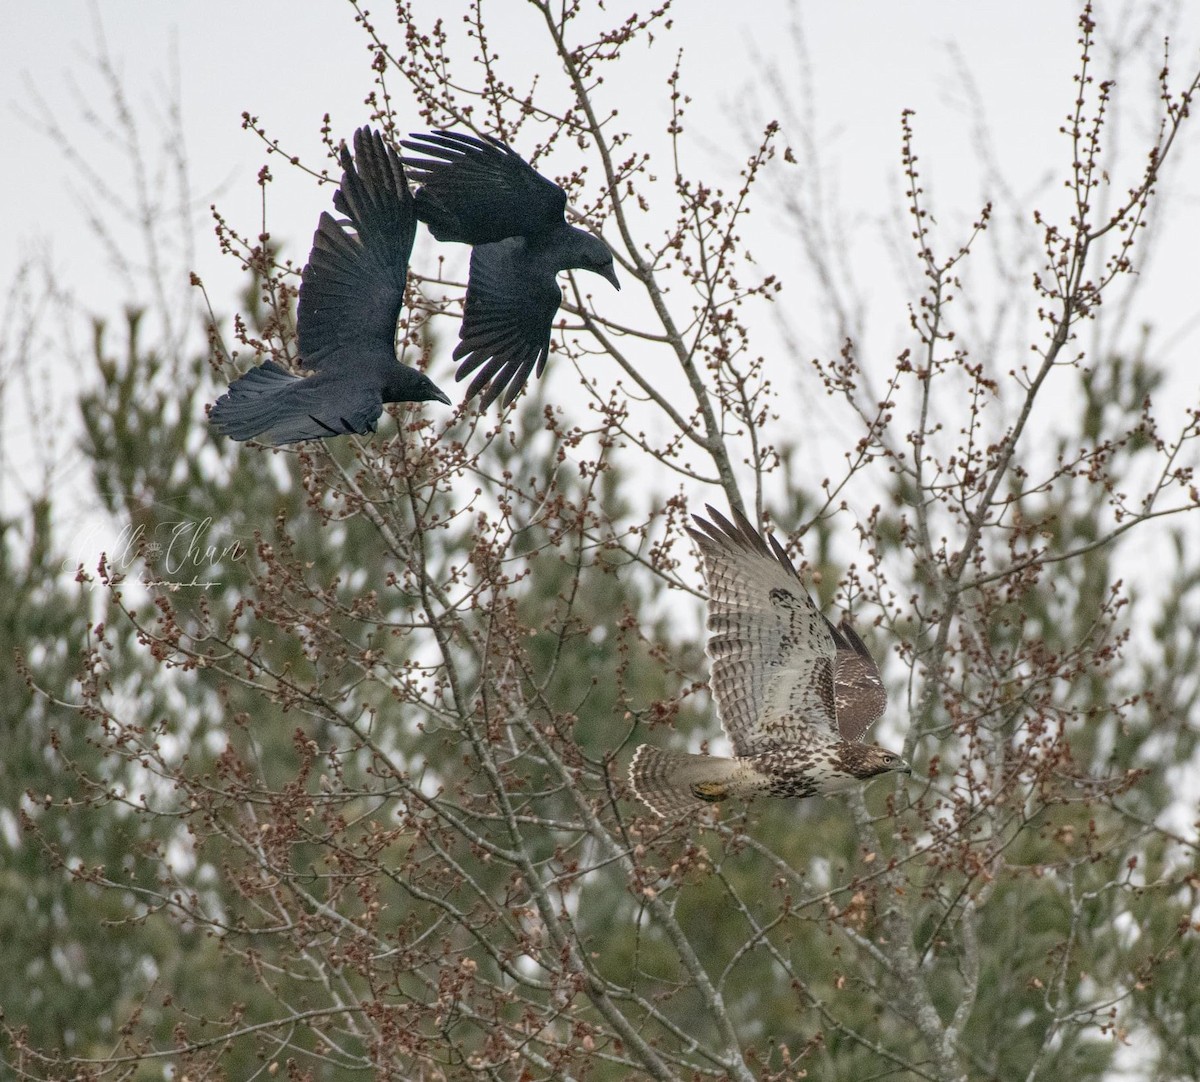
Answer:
(291, 62)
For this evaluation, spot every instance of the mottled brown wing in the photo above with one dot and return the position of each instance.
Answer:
(772, 651)
(857, 687)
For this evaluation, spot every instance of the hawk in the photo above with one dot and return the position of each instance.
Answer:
(795, 694)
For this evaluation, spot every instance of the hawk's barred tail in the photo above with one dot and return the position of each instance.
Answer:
(671, 784)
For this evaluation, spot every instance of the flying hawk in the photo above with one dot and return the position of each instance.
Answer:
(795, 694)
(481, 192)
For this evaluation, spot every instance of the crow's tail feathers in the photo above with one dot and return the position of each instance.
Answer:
(268, 404)
(251, 405)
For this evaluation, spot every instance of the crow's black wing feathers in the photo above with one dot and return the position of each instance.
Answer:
(352, 287)
(374, 195)
(347, 302)
(507, 319)
(477, 191)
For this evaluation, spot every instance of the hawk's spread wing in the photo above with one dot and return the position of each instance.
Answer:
(773, 653)
(858, 689)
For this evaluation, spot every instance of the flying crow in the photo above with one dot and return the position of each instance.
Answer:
(350, 297)
(480, 192)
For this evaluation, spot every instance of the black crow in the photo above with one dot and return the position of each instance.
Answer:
(350, 297)
(481, 192)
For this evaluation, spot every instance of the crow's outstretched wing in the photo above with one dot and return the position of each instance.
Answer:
(352, 288)
(478, 191)
(507, 319)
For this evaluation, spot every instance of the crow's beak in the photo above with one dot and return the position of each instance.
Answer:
(443, 397)
(610, 272)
